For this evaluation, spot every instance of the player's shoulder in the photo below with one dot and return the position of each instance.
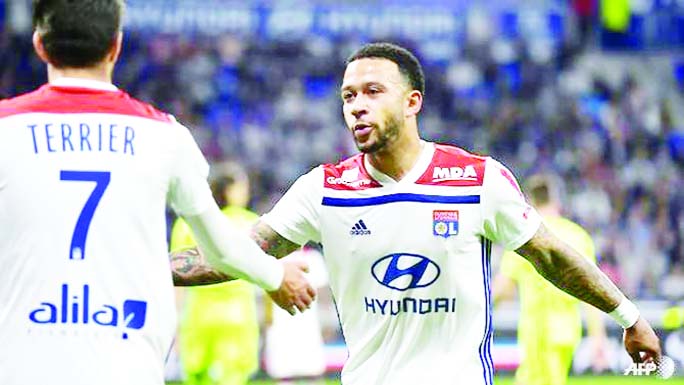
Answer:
(146, 110)
(452, 152)
(454, 166)
(79, 100)
(21, 103)
(348, 174)
(354, 161)
(448, 155)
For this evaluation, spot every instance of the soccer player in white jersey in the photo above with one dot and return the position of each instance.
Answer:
(407, 225)
(85, 172)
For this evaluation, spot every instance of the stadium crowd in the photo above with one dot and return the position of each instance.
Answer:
(608, 126)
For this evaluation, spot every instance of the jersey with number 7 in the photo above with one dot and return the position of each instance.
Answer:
(85, 173)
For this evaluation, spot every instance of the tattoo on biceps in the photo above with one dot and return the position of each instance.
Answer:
(271, 242)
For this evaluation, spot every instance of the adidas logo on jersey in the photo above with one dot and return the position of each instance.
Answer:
(440, 174)
(359, 229)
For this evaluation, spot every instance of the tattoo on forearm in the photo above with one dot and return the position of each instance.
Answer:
(189, 268)
(569, 271)
(271, 242)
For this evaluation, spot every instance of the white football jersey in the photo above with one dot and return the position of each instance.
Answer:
(85, 173)
(409, 261)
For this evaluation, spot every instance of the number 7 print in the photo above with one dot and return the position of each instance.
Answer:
(101, 179)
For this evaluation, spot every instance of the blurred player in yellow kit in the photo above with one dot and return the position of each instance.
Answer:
(219, 331)
(550, 324)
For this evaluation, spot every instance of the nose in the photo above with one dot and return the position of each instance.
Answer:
(358, 113)
(358, 108)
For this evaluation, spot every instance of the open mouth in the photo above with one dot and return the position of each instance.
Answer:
(362, 129)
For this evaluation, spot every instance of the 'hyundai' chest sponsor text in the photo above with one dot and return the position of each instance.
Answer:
(407, 272)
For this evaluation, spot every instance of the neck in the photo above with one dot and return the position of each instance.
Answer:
(100, 72)
(399, 157)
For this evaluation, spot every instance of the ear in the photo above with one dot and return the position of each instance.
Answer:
(39, 47)
(116, 48)
(414, 103)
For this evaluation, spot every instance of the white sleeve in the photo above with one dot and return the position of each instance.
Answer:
(232, 251)
(508, 218)
(189, 192)
(296, 215)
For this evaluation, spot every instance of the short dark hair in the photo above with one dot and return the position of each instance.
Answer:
(409, 66)
(77, 33)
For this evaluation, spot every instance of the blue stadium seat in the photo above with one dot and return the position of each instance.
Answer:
(317, 87)
(227, 82)
(508, 25)
(676, 146)
(3, 6)
(225, 118)
(510, 74)
(678, 72)
(631, 39)
(556, 26)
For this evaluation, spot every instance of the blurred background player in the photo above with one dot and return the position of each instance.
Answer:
(550, 323)
(219, 331)
(294, 348)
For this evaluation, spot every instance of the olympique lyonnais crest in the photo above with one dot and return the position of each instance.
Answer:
(445, 223)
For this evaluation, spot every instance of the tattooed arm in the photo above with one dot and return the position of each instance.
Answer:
(190, 268)
(572, 273)
(569, 271)
(278, 246)
(271, 242)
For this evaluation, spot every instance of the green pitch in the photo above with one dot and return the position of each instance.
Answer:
(593, 380)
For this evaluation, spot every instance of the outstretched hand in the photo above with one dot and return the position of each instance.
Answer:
(640, 338)
(295, 293)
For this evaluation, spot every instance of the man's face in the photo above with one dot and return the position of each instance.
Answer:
(373, 96)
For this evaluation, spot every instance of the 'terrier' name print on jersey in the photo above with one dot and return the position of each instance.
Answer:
(81, 137)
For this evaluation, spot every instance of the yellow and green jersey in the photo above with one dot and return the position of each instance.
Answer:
(546, 312)
(219, 329)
